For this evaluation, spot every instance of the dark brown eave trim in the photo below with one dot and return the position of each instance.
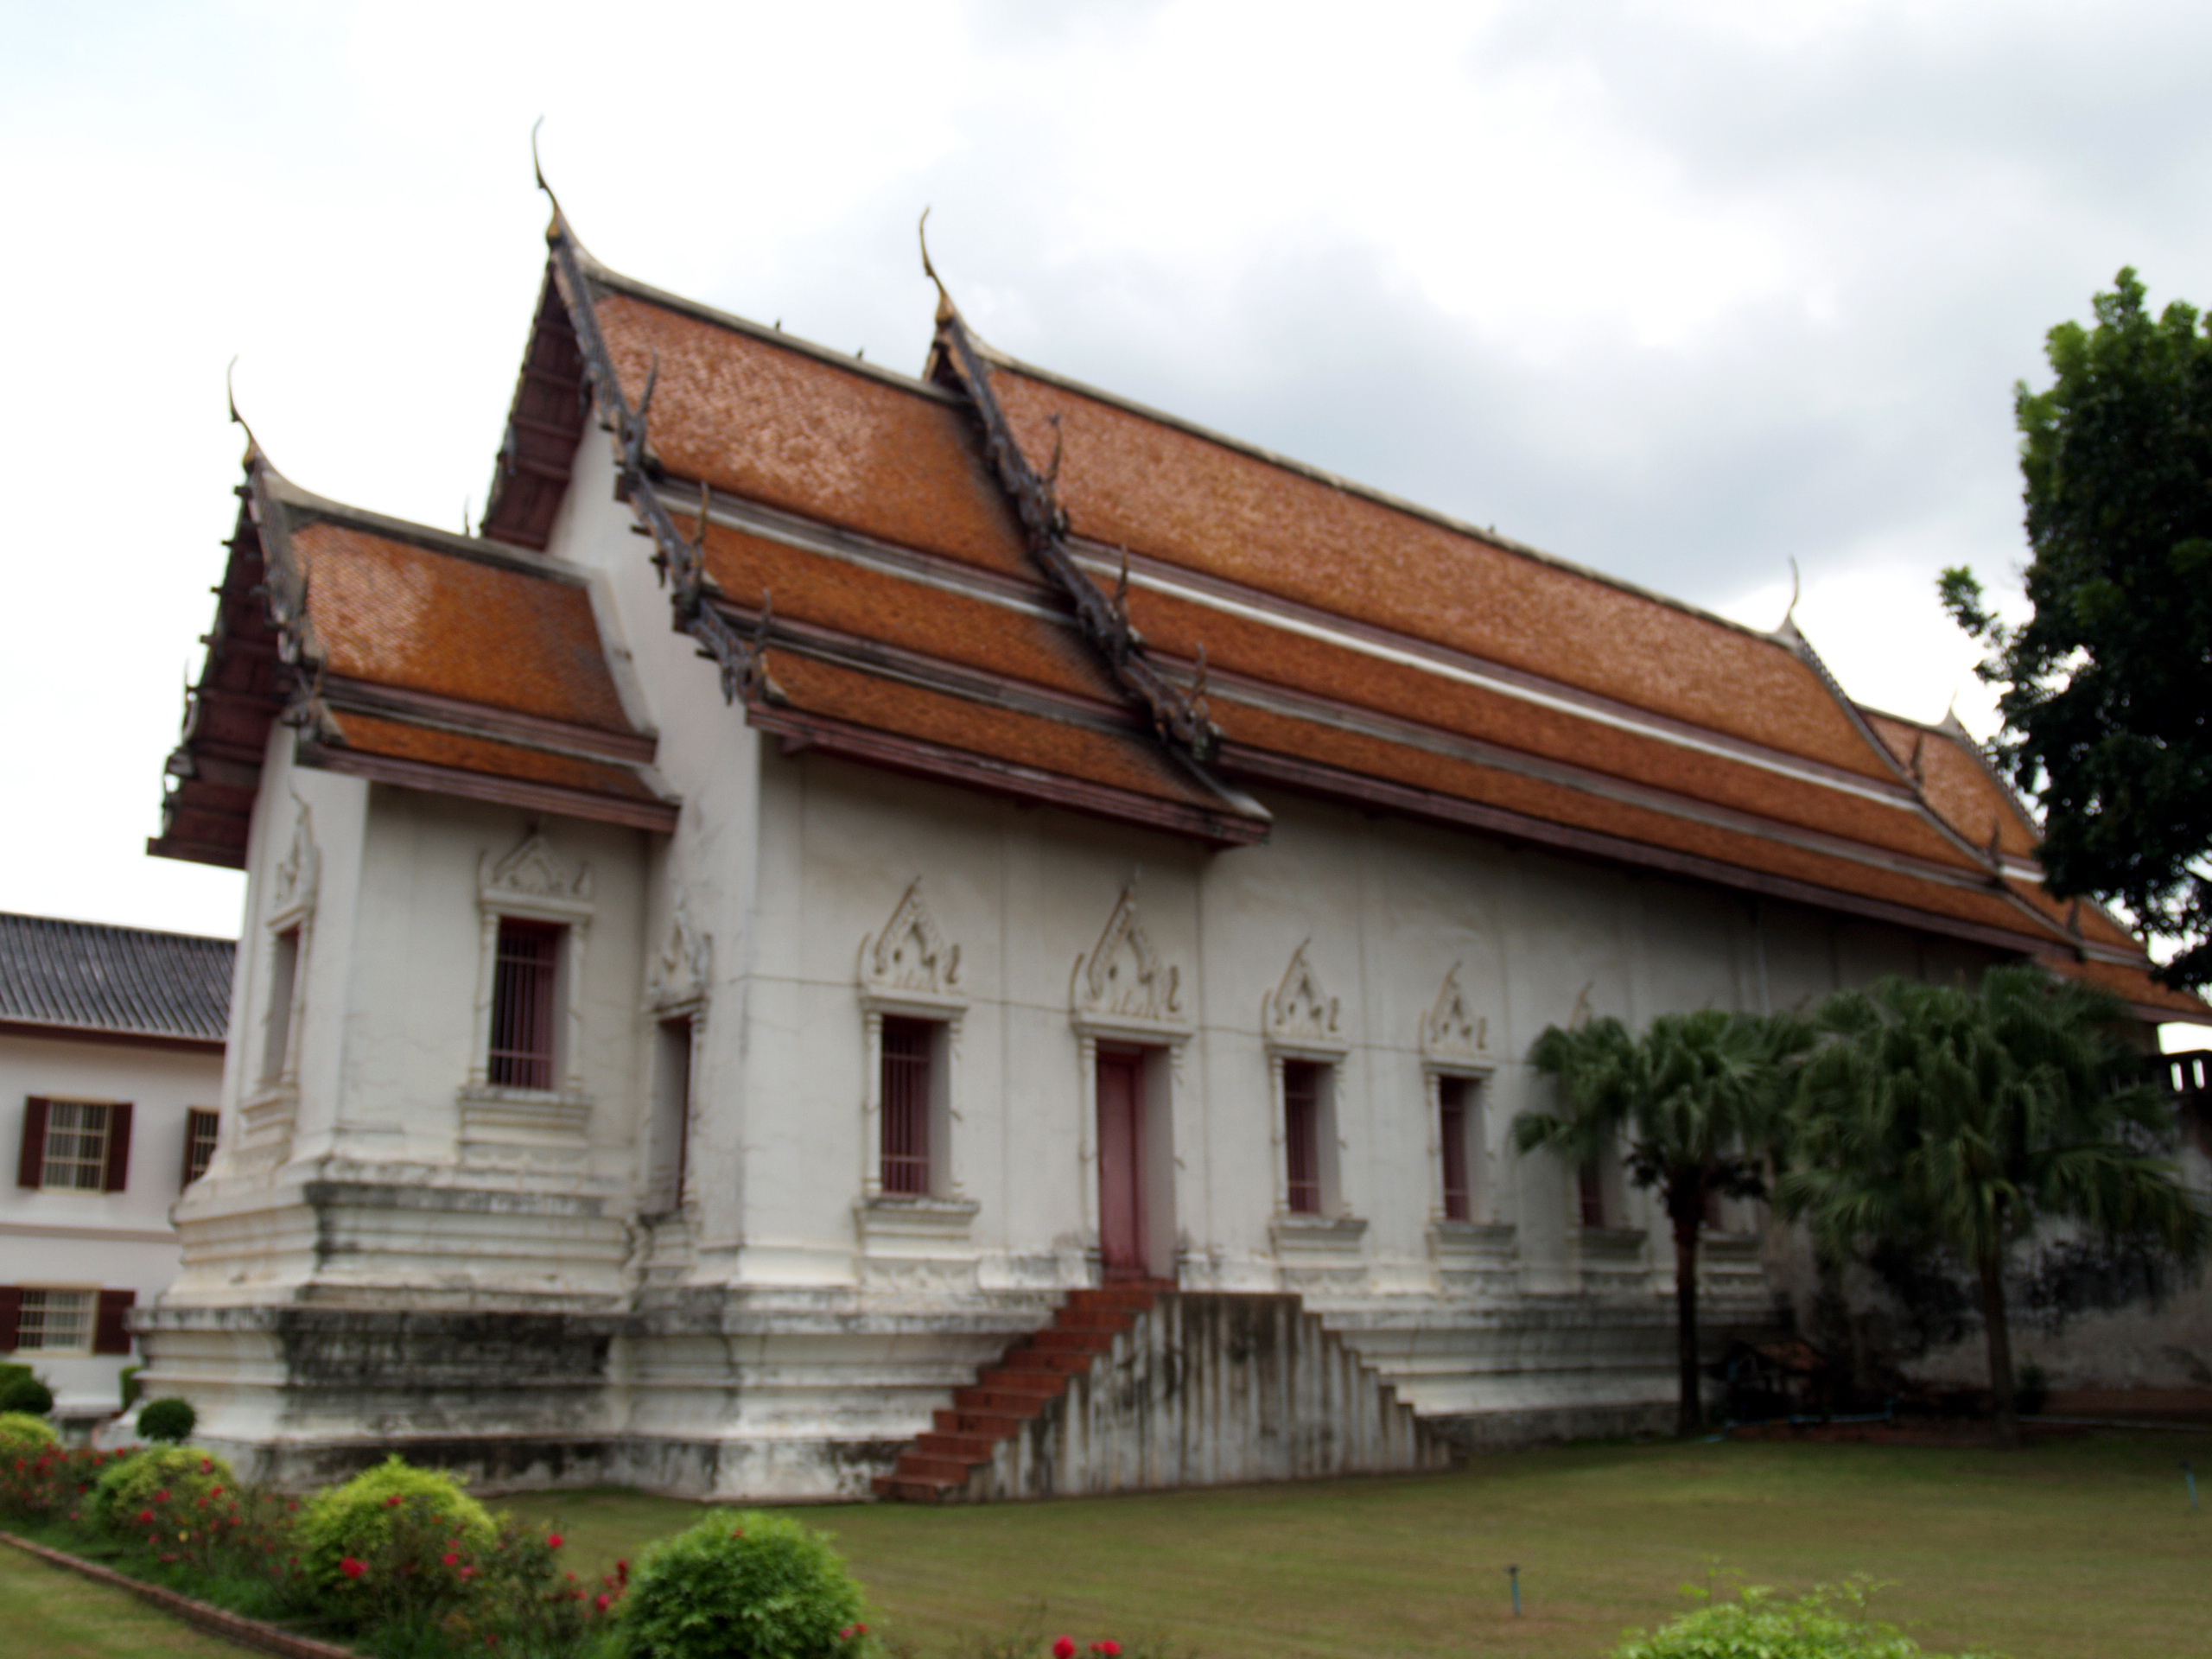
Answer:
(1331, 783)
(657, 816)
(171, 1040)
(916, 758)
(506, 725)
(222, 855)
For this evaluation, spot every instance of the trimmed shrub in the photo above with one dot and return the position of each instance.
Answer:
(1830, 1623)
(171, 1420)
(391, 1524)
(153, 1484)
(23, 1435)
(745, 1586)
(25, 1395)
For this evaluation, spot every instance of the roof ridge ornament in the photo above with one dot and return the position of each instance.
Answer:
(254, 452)
(1179, 719)
(681, 560)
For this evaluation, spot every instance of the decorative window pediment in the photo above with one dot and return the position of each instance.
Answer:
(910, 961)
(1124, 984)
(534, 879)
(1452, 1034)
(292, 888)
(1299, 1015)
(684, 967)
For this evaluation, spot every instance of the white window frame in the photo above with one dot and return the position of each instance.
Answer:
(92, 1295)
(107, 1144)
(1476, 1080)
(533, 884)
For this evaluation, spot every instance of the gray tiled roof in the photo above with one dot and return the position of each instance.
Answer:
(119, 979)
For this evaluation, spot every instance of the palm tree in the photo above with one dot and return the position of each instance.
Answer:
(1939, 1118)
(1699, 1098)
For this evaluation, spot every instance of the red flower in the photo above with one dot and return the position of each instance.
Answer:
(218, 1492)
(206, 1466)
(161, 1496)
(603, 1603)
(859, 1629)
(394, 1501)
(1065, 1648)
(145, 1518)
(467, 1572)
(622, 1571)
(451, 1560)
(554, 1539)
(352, 1568)
(1110, 1649)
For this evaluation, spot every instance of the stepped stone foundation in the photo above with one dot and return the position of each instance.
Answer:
(1146, 1386)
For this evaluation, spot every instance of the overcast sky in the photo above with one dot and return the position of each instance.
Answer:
(1681, 290)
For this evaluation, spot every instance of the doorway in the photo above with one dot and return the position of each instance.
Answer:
(1122, 1145)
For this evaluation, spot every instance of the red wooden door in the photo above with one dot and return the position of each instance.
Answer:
(1120, 1164)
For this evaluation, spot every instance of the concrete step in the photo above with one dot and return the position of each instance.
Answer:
(917, 1465)
(992, 1425)
(967, 1448)
(1029, 1361)
(1021, 1404)
(911, 1491)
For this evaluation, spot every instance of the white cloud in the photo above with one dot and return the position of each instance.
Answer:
(1681, 290)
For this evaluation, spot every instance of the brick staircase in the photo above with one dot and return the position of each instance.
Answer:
(1032, 1375)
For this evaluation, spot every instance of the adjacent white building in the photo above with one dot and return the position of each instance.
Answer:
(111, 1070)
(843, 862)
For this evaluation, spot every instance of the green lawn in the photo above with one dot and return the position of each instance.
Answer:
(51, 1614)
(2074, 1548)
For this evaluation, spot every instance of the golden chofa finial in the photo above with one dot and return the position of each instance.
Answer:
(559, 224)
(946, 310)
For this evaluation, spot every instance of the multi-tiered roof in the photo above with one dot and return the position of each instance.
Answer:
(997, 577)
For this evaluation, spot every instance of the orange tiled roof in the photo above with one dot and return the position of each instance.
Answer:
(863, 540)
(405, 655)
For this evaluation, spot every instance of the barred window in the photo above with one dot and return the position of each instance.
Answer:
(1452, 1108)
(200, 1126)
(1301, 1108)
(907, 1045)
(76, 1146)
(55, 1320)
(524, 1026)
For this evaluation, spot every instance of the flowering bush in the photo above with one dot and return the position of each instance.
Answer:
(1831, 1623)
(520, 1597)
(748, 1585)
(395, 1535)
(23, 1435)
(136, 1488)
(47, 1480)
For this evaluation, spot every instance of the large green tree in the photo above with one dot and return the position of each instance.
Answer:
(1695, 1104)
(2107, 685)
(1941, 1119)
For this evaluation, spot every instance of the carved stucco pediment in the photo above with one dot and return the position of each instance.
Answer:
(910, 956)
(1451, 1030)
(1299, 1013)
(292, 889)
(534, 877)
(1299, 1009)
(1124, 979)
(685, 966)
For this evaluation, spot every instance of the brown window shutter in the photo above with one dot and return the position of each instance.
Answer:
(110, 1335)
(12, 1310)
(118, 1147)
(30, 1168)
